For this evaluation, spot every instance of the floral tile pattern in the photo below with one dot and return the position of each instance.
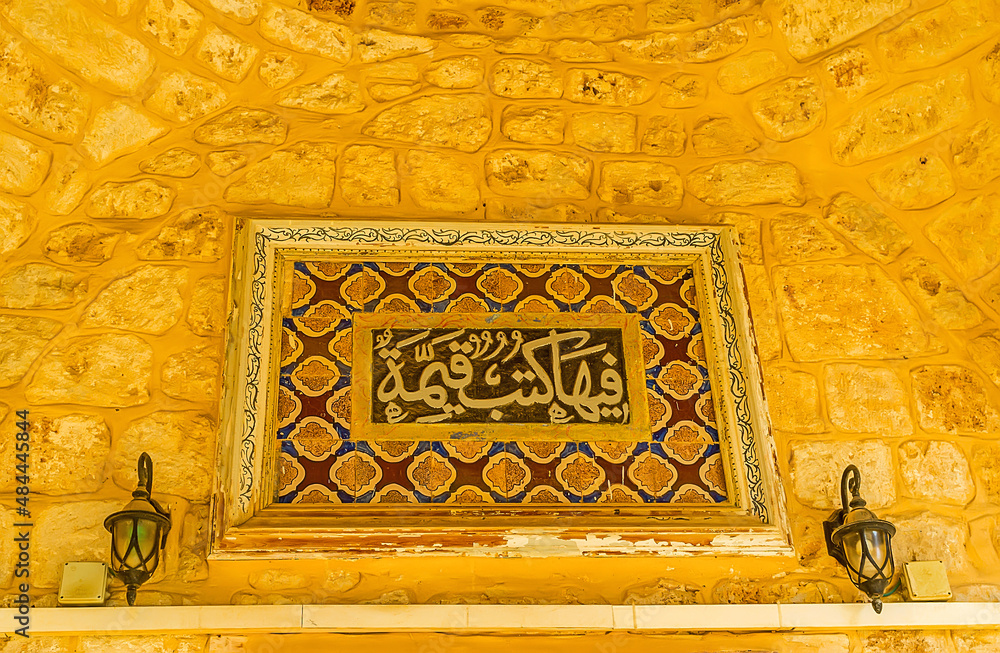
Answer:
(320, 462)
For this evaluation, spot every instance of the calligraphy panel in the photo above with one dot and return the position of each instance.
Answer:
(476, 382)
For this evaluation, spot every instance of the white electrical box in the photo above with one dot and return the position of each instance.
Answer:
(84, 583)
(926, 581)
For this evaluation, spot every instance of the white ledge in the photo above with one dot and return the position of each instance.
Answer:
(225, 619)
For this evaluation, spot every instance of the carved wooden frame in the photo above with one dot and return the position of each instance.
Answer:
(248, 524)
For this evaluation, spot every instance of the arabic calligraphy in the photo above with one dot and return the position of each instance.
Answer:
(509, 375)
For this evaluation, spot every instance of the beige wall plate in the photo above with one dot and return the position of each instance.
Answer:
(926, 581)
(84, 583)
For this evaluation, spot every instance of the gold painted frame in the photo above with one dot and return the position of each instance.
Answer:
(248, 523)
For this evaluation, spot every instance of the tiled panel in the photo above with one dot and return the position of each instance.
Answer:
(321, 463)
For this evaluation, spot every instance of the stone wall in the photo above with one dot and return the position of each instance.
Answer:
(856, 148)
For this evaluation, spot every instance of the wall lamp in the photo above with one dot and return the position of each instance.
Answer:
(860, 541)
(138, 532)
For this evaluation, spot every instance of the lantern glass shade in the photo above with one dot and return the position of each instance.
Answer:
(861, 541)
(138, 532)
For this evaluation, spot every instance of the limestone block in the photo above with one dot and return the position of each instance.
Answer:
(134, 200)
(458, 121)
(455, 72)
(600, 22)
(380, 45)
(846, 311)
(513, 210)
(969, 235)
(656, 48)
(815, 26)
(985, 350)
(664, 592)
(242, 11)
(243, 126)
(744, 591)
(40, 285)
(22, 340)
(976, 154)
(279, 68)
(683, 90)
(939, 296)
(520, 45)
(551, 175)
(70, 531)
(936, 471)
(142, 643)
(193, 235)
(903, 641)
(17, 221)
(71, 182)
(641, 182)
(575, 51)
(107, 370)
(300, 175)
(118, 129)
(523, 78)
(986, 464)
(593, 86)
(913, 181)
(906, 116)
(541, 126)
(446, 21)
(173, 23)
(193, 374)
(334, 94)
(977, 641)
(926, 536)
(716, 42)
(865, 399)
(176, 441)
(803, 237)
(34, 99)
(191, 563)
(721, 136)
(793, 400)
(147, 300)
(368, 176)
(789, 109)
(394, 70)
(604, 132)
(867, 227)
(666, 14)
(302, 32)
(208, 310)
(939, 35)
(226, 54)
(740, 74)
(83, 42)
(23, 165)
(399, 15)
(746, 183)
(175, 162)
(80, 243)
(817, 468)
(183, 97)
(72, 450)
(664, 136)
(852, 72)
(276, 580)
(388, 92)
(8, 549)
(988, 71)
(225, 162)
(441, 182)
(977, 593)
(953, 399)
(747, 234)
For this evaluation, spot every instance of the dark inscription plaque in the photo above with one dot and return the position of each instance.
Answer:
(506, 375)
